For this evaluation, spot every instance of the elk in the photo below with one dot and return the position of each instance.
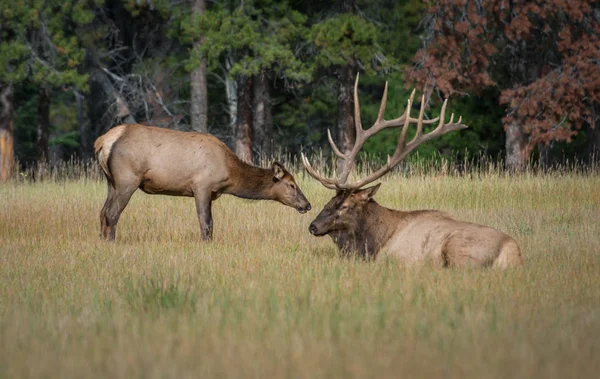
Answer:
(359, 225)
(176, 163)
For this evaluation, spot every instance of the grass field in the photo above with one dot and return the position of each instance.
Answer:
(268, 300)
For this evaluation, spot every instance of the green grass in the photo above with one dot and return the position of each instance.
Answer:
(266, 299)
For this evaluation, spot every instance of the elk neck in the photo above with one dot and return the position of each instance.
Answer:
(250, 182)
(375, 227)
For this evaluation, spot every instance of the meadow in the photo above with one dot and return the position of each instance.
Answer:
(267, 299)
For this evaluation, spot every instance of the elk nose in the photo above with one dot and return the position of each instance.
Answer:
(308, 207)
(312, 229)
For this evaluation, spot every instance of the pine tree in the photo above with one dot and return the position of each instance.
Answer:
(243, 41)
(39, 43)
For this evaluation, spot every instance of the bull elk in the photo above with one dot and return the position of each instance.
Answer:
(357, 224)
(169, 162)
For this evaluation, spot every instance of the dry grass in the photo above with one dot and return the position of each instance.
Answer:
(266, 299)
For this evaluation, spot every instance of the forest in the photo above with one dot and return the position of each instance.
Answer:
(270, 77)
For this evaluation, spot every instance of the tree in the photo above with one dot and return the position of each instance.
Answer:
(544, 56)
(262, 120)
(245, 42)
(243, 126)
(40, 44)
(7, 157)
(199, 96)
(137, 76)
(43, 132)
(384, 41)
(346, 43)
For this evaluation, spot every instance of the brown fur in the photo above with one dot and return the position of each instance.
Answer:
(169, 162)
(357, 224)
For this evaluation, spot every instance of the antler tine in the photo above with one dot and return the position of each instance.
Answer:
(420, 119)
(312, 172)
(359, 140)
(381, 123)
(440, 130)
(334, 146)
(400, 120)
(399, 152)
(357, 121)
(402, 139)
(380, 115)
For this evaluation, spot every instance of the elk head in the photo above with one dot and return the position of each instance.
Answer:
(286, 191)
(344, 212)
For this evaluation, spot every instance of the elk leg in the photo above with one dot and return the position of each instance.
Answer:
(103, 219)
(203, 209)
(113, 211)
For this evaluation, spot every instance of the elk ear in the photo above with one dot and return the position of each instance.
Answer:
(366, 194)
(278, 171)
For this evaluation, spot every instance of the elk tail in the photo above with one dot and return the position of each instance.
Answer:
(510, 255)
(103, 146)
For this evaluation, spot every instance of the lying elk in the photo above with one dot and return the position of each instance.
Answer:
(356, 223)
(169, 162)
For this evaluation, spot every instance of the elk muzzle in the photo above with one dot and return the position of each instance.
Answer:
(303, 205)
(305, 208)
(317, 230)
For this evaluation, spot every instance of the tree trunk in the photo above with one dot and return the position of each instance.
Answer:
(7, 155)
(345, 117)
(199, 101)
(517, 152)
(516, 144)
(262, 121)
(348, 6)
(231, 93)
(594, 145)
(546, 158)
(594, 136)
(84, 151)
(43, 125)
(243, 133)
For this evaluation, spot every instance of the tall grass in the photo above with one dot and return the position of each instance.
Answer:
(266, 299)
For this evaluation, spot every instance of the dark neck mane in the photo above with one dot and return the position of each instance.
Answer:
(250, 182)
(373, 230)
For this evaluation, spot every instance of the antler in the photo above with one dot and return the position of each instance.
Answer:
(402, 149)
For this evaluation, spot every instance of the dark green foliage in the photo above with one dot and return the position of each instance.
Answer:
(300, 46)
(25, 122)
(346, 37)
(64, 134)
(39, 41)
(256, 37)
(41, 45)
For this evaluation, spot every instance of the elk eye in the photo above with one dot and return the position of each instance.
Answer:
(292, 186)
(343, 207)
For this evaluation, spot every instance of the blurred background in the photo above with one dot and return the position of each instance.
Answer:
(270, 77)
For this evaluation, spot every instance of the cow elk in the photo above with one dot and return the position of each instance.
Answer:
(169, 162)
(357, 224)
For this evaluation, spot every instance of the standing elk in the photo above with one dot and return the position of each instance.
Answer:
(357, 224)
(175, 163)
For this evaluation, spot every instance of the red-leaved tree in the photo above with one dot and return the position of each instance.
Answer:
(543, 56)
